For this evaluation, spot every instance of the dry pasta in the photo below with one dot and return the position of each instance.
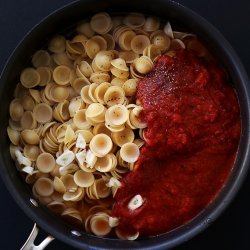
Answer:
(75, 129)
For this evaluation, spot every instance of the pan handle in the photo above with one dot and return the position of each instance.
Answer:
(29, 244)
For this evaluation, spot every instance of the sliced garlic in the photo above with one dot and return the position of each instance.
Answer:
(135, 202)
(28, 170)
(65, 158)
(81, 156)
(113, 221)
(22, 160)
(80, 142)
(113, 182)
(90, 158)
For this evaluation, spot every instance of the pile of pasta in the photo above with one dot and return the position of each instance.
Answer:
(75, 126)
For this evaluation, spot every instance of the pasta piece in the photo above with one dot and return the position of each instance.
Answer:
(114, 95)
(129, 152)
(31, 152)
(134, 73)
(134, 20)
(99, 224)
(85, 29)
(100, 77)
(134, 117)
(128, 56)
(74, 219)
(91, 92)
(125, 39)
(75, 104)
(123, 74)
(102, 189)
(74, 196)
(110, 41)
(161, 40)
(16, 110)
(100, 91)
(68, 181)
(56, 207)
(45, 163)
(105, 164)
(120, 64)
(30, 78)
(27, 102)
(44, 187)
(76, 45)
(83, 179)
(115, 128)
(42, 113)
(118, 81)
(118, 31)
(100, 41)
(101, 129)
(85, 68)
(152, 51)
(116, 115)
(35, 95)
(143, 64)
(59, 93)
(20, 91)
(30, 137)
(41, 58)
(80, 119)
(62, 59)
(61, 75)
(14, 136)
(15, 125)
(59, 185)
(139, 43)
(151, 24)
(139, 142)
(87, 168)
(57, 44)
(96, 112)
(68, 169)
(177, 44)
(94, 66)
(122, 137)
(92, 48)
(85, 94)
(103, 60)
(69, 135)
(101, 23)
(130, 87)
(45, 74)
(101, 145)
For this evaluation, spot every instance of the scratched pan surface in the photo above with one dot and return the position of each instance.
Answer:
(17, 225)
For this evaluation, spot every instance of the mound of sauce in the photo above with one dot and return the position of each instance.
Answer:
(193, 120)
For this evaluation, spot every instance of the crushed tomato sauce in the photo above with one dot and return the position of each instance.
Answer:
(193, 120)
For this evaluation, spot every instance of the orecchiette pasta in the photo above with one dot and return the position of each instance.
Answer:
(75, 128)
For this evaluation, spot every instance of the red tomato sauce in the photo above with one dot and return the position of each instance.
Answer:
(192, 136)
